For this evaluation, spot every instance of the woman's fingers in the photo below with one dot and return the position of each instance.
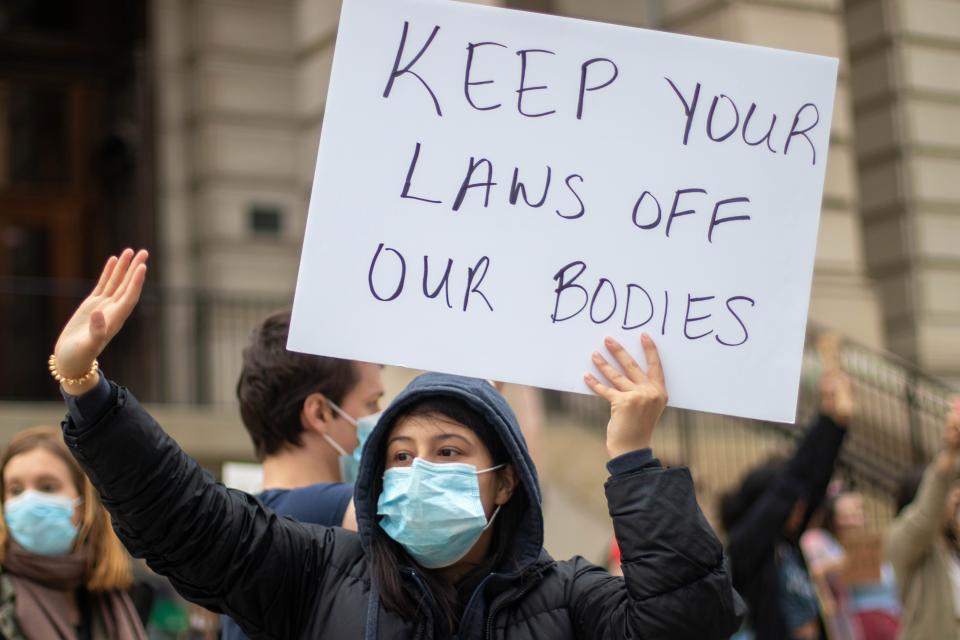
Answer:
(620, 381)
(139, 259)
(119, 271)
(598, 387)
(105, 275)
(654, 366)
(625, 360)
(131, 294)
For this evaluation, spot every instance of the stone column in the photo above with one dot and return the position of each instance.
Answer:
(905, 69)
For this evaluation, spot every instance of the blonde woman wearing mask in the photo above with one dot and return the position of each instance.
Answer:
(63, 573)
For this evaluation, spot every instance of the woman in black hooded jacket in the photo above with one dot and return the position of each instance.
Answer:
(448, 508)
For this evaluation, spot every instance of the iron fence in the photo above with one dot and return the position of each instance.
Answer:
(184, 345)
(180, 345)
(897, 426)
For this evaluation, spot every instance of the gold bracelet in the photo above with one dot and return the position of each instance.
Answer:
(59, 377)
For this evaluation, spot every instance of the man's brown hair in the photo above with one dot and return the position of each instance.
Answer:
(274, 383)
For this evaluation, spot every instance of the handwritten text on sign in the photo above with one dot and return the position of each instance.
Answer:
(496, 191)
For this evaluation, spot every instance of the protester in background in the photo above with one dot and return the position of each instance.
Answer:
(766, 515)
(432, 558)
(922, 544)
(63, 573)
(860, 601)
(307, 416)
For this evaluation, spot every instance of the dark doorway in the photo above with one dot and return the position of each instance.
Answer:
(76, 170)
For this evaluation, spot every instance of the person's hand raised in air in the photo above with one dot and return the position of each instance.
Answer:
(637, 397)
(99, 318)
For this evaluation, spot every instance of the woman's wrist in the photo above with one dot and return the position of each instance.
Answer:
(615, 450)
(83, 387)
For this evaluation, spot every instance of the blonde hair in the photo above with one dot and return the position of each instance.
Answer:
(108, 565)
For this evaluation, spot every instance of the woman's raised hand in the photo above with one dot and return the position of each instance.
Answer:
(636, 397)
(101, 315)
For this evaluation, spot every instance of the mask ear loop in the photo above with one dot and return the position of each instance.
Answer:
(499, 466)
(493, 517)
(343, 414)
(499, 506)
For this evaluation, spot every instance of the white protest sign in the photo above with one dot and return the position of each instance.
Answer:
(496, 191)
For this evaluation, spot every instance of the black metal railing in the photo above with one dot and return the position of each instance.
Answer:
(897, 426)
(184, 345)
(180, 345)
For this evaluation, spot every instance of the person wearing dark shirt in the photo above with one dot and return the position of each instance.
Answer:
(306, 416)
(766, 515)
(322, 503)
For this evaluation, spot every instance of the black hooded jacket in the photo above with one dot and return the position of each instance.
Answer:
(282, 579)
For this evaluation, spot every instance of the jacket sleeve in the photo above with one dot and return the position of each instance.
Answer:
(220, 548)
(751, 541)
(675, 583)
(915, 530)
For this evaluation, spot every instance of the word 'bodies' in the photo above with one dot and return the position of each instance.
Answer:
(496, 191)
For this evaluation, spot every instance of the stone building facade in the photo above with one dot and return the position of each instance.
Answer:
(241, 86)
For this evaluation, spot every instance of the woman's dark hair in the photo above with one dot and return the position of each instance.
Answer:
(735, 504)
(388, 558)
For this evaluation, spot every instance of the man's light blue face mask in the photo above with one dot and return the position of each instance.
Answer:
(350, 462)
(434, 510)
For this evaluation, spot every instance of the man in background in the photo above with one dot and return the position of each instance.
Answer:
(303, 413)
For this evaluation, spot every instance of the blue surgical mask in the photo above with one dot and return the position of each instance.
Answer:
(41, 523)
(350, 462)
(434, 510)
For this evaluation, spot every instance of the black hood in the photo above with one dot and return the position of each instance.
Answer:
(486, 400)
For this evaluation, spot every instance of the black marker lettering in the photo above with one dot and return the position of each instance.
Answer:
(688, 108)
(472, 287)
(713, 108)
(596, 294)
(673, 210)
(714, 221)
(746, 335)
(583, 81)
(803, 132)
(626, 315)
(396, 72)
(583, 209)
(666, 308)
(444, 281)
(406, 184)
(636, 209)
(687, 320)
(523, 89)
(766, 138)
(461, 194)
(518, 189)
(403, 275)
(563, 285)
(467, 83)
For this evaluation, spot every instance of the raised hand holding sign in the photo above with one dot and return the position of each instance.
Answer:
(636, 397)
